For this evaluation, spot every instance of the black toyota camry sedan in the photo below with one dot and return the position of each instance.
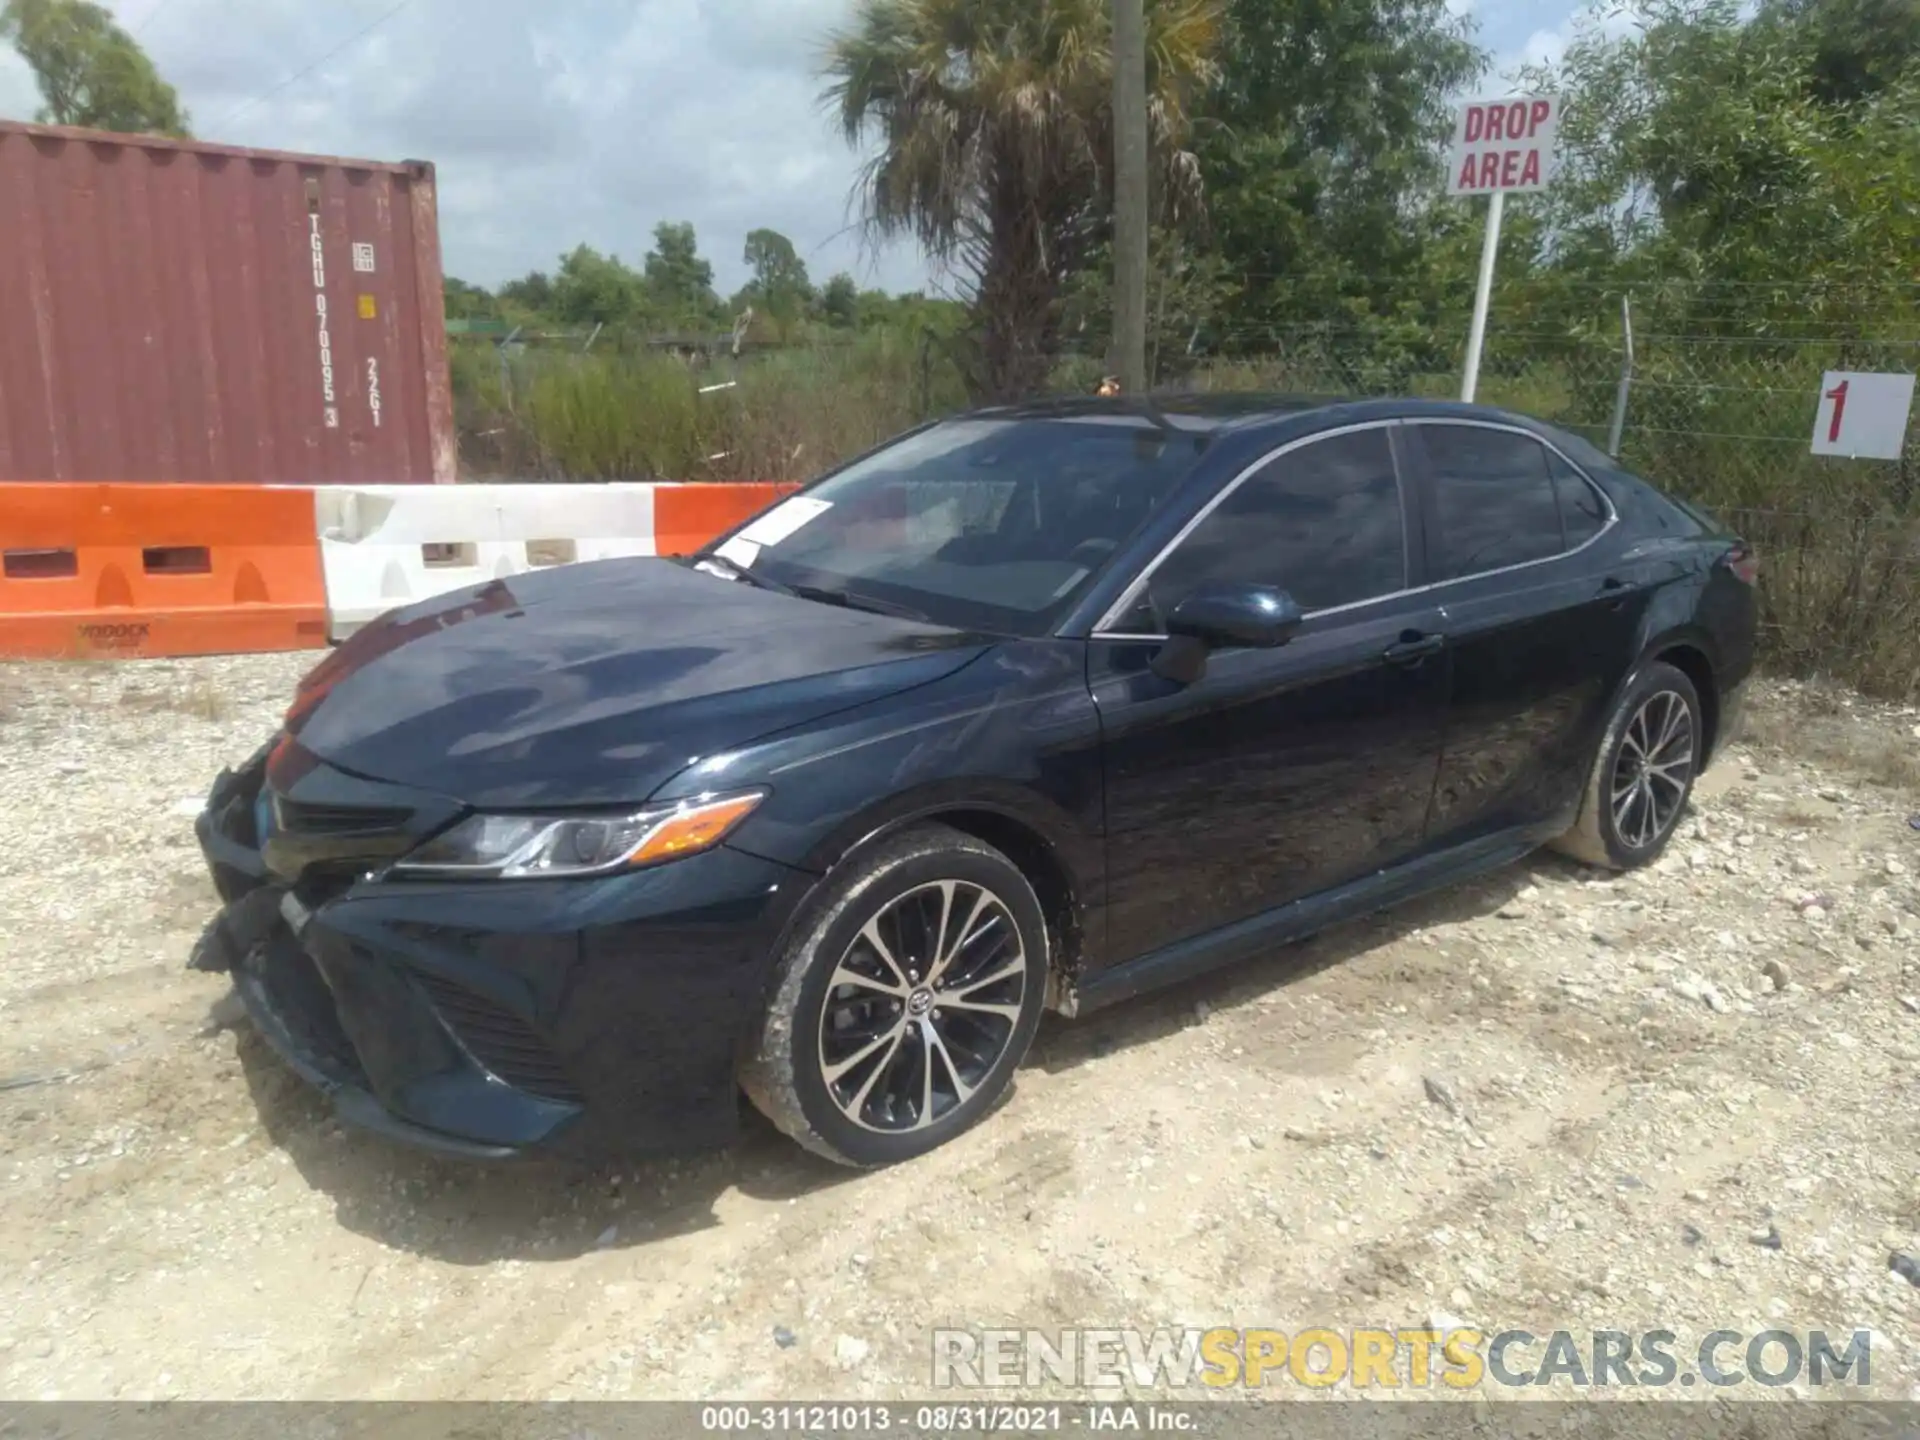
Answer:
(1036, 708)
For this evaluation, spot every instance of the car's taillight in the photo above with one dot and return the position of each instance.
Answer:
(1744, 561)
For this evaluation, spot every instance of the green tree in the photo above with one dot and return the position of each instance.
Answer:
(995, 125)
(90, 71)
(1706, 145)
(840, 301)
(1187, 291)
(779, 288)
(1859, 47)
(1319, 143)
(532, 293)
(595, 289)
(876, 309)
(469, 302)
(679, 283)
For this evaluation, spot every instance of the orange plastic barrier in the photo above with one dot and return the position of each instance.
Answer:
(687, 517)
(144, 570)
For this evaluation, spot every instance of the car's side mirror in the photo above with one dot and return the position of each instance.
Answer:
(1224, 616)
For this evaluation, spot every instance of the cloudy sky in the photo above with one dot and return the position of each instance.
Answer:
(574, 120)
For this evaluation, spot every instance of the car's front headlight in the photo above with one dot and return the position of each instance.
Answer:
(521, 847)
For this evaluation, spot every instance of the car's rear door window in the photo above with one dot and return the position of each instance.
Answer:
(1494, 500)
(1322, 522)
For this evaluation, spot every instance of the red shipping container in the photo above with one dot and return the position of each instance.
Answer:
(175, 311)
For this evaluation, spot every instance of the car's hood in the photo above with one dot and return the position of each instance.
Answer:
(595, 684)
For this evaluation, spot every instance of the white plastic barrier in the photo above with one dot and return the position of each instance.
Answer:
(384, 546)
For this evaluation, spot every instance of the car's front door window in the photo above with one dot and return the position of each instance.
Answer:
(1322, 522)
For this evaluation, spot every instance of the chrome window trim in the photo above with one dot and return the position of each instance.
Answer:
(1132, 593)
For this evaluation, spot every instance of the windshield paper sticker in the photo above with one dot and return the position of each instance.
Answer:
(785, 518)
(739, 551)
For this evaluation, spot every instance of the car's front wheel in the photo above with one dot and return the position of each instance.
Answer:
(1651, 751)
(904, 1002)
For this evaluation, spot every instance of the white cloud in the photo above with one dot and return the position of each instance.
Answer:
(550, 125)
(1545, 45)
(582, 120)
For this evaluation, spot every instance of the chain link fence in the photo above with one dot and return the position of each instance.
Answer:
(1721, 418)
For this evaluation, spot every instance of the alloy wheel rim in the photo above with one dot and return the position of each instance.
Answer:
(922, 1006)
(1653, 769)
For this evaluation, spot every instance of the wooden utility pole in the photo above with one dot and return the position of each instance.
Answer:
(1130, 194)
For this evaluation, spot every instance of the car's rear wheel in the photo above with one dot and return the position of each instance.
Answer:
(904, 1002)
(1651, 751)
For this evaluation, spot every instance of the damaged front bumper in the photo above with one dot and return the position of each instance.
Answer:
(484, 1019)
(255, 939)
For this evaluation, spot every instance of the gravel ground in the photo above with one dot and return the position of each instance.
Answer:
(1680, 1099)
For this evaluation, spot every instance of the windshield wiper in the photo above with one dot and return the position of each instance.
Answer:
(821, 594)
(740, 572)
(828, 596)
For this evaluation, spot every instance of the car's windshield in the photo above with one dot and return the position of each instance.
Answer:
(988, 523)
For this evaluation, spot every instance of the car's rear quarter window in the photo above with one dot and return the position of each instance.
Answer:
(1583, 513)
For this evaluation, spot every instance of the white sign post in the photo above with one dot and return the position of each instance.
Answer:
(1862, 416)
(1498, 146)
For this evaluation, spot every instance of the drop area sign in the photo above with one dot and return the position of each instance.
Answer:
(1498, 146)
(1502, 145)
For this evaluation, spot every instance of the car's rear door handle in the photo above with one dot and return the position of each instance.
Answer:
(1413, 648)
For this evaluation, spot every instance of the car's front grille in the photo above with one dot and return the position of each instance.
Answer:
(499, 1040)
(321, 847)
(305, 818)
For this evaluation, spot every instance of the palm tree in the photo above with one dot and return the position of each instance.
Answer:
(994, 121)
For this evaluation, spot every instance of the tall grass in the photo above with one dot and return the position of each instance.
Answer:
(547, 415)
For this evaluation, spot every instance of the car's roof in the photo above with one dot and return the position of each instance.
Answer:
(1239, 410)
(1200, 410)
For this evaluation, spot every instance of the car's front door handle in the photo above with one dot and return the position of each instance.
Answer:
(1413, 648)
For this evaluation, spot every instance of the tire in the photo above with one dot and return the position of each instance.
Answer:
(824, 1068)
(1624, 833)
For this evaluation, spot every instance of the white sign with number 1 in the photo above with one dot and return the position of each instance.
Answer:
(1862, 416)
